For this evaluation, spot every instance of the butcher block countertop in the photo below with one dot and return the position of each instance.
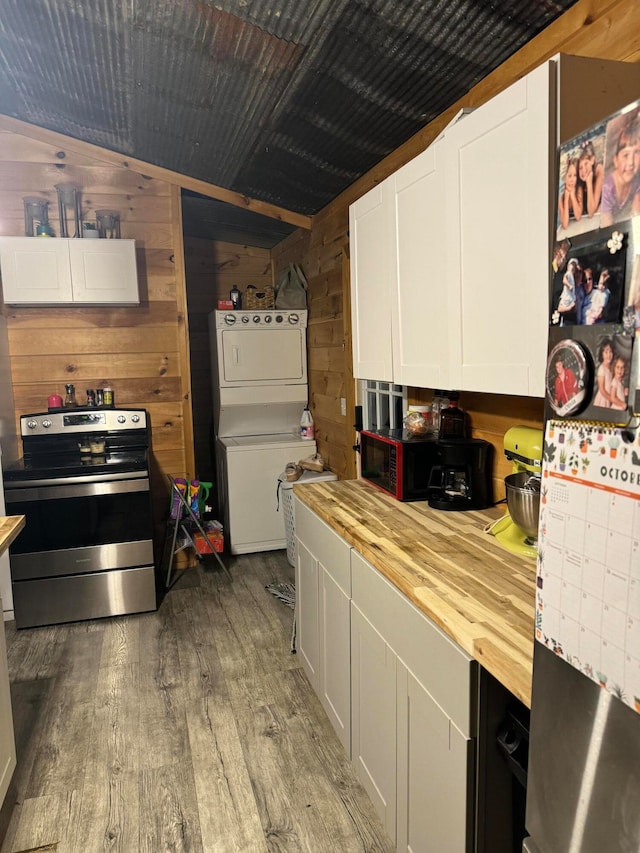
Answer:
(10, 526)
(481, 595)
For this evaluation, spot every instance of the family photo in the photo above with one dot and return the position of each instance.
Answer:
(612, 373)
(599, 175)
(589, 279)
(581, 181)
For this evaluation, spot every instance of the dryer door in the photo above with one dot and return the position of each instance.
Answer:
(265, 356)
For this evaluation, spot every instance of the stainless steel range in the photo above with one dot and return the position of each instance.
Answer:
(83, 484)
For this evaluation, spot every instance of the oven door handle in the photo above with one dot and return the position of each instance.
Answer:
(75, 490)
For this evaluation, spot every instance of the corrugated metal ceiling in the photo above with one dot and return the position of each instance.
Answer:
(286, 101)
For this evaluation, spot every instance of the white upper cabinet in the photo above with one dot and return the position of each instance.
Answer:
(62, 271)
(499, 159)
(450, 256)
(419, 306)
(372, 274)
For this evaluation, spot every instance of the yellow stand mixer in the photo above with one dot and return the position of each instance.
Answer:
(523, 447)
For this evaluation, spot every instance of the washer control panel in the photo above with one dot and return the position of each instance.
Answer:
(261, 319)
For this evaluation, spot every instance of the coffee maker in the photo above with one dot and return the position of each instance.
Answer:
(462, 476)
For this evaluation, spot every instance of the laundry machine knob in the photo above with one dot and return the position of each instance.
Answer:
(229, 319)
(268, 318)
(279, 318)
(293, 318)
(245, 319)
(256, 318)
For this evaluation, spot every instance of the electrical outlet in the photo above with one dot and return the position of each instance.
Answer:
(343, 406)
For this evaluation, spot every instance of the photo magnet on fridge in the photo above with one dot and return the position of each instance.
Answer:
(589, 277)
(601, 360)
(581, 177)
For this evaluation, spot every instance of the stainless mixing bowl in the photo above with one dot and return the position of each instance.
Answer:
(523, 501)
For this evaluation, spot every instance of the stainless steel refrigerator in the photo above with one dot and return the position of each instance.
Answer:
(583, 785)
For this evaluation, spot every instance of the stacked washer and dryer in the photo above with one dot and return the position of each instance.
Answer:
(259, 375)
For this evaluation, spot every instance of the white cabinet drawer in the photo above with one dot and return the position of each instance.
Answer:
(325, 544)
(443, 668)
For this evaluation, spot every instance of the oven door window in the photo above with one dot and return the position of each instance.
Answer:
(61, 517)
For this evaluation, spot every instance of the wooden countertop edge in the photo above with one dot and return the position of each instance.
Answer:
(10, 526)
(501, 642)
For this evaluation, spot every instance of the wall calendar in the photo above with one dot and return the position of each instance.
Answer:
(588, 567)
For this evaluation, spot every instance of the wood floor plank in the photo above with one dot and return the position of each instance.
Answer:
(163, 734)
(36, 652)
(121, 642)
(62, 754)
(109, 814)
(47, 820)
(229, 819)
(168, 810)
(289, 820)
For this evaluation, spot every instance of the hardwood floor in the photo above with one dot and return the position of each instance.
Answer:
(189, 729)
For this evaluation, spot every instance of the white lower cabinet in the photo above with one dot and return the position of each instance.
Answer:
(435, 773)
(323, 593)
(373, 714)
(413, 718)
(401, 695)
(7, 741)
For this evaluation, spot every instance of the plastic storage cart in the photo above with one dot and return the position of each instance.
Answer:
(286, 501)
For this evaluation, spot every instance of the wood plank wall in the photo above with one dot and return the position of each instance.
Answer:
(323, 256)
(599, 28)
(138, 350)
(212, 269)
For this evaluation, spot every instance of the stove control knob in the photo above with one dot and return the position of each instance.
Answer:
(229, 319)
(268, 318)
(32, 424)
(293, 318)
(256, 318)
(245, 319)
(46, 423)
(121, 419)
(279, 318)
(135, 418)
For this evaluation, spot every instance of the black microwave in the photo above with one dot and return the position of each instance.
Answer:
(397, 462)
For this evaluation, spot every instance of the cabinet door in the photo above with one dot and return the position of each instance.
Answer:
(335, 660)
(371, 242)
(323, 595)
(420, 307)
(104, 272)
(373, 716)
(499, 162)
(307, 626)
(435, 774)
(35, 270)
(7, 742)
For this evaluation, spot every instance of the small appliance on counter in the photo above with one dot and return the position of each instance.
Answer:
(517, 530)
(461, 477)
(398, 462)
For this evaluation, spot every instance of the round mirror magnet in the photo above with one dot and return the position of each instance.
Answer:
(568, 377)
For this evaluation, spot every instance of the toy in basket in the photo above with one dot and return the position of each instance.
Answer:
(261, 300)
